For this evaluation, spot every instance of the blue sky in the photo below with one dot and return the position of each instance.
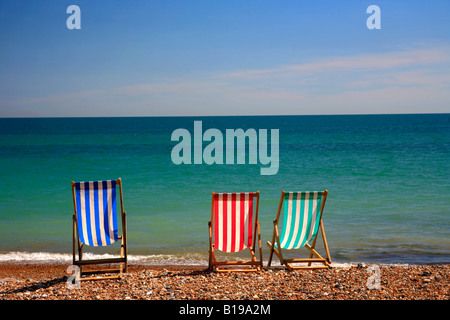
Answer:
(199, 57)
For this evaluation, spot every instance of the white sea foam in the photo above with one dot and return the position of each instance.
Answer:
(38, 257)
(156, 259)
(66, 258)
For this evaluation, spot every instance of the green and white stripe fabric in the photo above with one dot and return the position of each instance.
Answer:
(301, 217)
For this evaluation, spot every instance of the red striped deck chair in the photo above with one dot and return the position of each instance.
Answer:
(302, 221)
(95, 225)
(234, 226)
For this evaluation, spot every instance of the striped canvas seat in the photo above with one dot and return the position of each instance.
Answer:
(234, 223)
(95, 223)
(302, 221)
(96, 212)
(302, 212)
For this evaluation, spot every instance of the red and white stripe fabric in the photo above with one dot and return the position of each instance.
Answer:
(233, 221)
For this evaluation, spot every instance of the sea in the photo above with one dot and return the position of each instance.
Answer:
(387, 176)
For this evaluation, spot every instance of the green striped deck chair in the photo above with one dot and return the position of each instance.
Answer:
(95, 225)
(302, 221)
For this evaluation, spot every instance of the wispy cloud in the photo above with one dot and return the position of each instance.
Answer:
(416, 80)
(409, 58)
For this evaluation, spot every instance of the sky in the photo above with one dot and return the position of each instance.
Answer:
(223, 57)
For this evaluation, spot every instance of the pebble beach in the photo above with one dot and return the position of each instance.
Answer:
(49, 282)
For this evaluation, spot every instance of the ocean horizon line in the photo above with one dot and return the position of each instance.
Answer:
(225, 116)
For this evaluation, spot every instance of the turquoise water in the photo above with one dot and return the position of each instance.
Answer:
(387, 176)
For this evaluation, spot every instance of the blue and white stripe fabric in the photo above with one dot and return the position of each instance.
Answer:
(96, 212)
(301, 217)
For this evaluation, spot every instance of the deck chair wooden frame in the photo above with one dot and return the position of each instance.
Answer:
(78, 244)
(251, 265)
(315, 258)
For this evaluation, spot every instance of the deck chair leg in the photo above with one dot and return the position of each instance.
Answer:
(272, 251)
(270, 245)
(269, 262)
(80, 251)
(253, 257)
(123, 254)
(260, 249)
(211, 252)
(325, 244)
(275, 239)
(275, 235)
(254, 261)
(212, 260)
(210, 264)
(310, 252)
(73, 239)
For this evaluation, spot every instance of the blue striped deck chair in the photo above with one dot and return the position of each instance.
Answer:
(302, 221)
(95, 225)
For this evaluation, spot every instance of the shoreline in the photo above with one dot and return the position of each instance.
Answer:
(35, 281)
(171, 259)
